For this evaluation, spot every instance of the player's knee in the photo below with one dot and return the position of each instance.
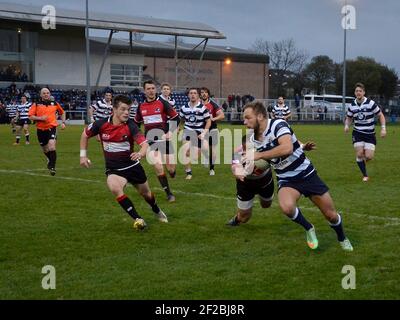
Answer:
(368, 157)
(331, 216)
(287, 208)
(360, 154)
(159, 169)
(116, 190)
(171, 170)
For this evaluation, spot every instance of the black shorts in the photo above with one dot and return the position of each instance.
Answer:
(363, 137)
(134, 175)
(311, 185)
(23, 122)
(213, 137)
(45, 135)
(246, 190)
(193, 137)
(164, 146)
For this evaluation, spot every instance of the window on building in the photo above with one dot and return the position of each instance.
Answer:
(17, 54)
(126, 75)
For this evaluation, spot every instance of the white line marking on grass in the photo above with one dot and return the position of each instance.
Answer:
(207, 195)
(390, 221)
(48, 176)
(58, 169)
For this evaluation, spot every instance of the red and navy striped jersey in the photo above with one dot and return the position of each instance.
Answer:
(117, 141)
(213, 108)
(155, 114)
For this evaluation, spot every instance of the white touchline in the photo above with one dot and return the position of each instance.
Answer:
(391, 221)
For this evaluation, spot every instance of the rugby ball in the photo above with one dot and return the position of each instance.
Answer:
(256, 167)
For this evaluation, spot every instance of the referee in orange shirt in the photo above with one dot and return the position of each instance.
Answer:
(45, 113)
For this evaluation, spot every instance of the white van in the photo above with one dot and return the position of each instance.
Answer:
(332, 102)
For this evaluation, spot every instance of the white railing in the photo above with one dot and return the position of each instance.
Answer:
(75, 114)
(305, 114)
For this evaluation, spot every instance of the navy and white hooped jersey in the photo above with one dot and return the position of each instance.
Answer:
(292, 167)
(196, 117)
(102, 109)
(132, 111)
(11, 110)
(364, 115)
(280, 112)
(23, 110)
(171, 101)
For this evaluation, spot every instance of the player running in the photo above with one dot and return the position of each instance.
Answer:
(118, 134)
(196, 119)
(11, 110)
(23, 119)
(276, 142)
(216, 114)
(281, 110)
(253, 180)
(363, 111)
(102, 109)
(158, 117)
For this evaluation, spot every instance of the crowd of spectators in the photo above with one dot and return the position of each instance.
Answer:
(12, 73)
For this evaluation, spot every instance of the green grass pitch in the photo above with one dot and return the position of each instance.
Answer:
(72, 222)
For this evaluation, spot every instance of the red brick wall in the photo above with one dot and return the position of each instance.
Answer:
(222, 79)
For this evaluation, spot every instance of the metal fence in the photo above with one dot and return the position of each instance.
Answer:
(234, 113)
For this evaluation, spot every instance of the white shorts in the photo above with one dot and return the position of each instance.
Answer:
(246, 205)
(364, 145)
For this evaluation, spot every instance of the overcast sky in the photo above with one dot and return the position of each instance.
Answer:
(315, 25)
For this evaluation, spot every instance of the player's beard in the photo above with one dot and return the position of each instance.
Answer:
(256, 129)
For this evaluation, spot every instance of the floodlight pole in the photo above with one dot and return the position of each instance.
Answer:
(176, 62)
(88, 100)
(344, 65)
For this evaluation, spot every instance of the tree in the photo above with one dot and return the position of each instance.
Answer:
(378, 79)
(389, 82)
(365, 70)
(286, 61)
(320, 72)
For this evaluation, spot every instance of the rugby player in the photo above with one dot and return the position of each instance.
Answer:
(362, 112)
(276, 142)
(118, 134)
(158, 117)
(216, 114)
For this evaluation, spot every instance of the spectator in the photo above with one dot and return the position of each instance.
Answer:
(230, 100)
(13, 89)
(320, 114)
(244, 100)
(238, 101)
(325, 112)
(225, 106)
(3, 114)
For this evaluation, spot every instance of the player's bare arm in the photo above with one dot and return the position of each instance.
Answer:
(206, 129)
(284, 148)
(63, 119)
(83, 159)
(347, 123)
(382, 121)
(141, 153)
(219, 116)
